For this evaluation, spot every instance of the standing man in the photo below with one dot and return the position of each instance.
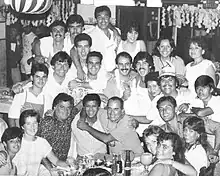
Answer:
(119, 134)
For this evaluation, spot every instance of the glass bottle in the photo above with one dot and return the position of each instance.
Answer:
(127, 168)
(114, 165)
(119, 164)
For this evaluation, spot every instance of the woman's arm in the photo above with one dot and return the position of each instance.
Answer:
(142, 46)
(211, 72)
(53, 159)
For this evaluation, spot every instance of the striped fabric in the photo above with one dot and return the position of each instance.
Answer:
(31, 6)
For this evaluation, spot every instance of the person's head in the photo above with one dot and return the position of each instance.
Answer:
(115, 109)
(150, 135)
(57, 30)
(123, 62)
(96, 172)
(75, 24)
(194, 130)
(152, 83)
(143, 63)
(61, 62)
(205, 87)
(167, 107)
(103, 16)
(170, 146)
(39, 75)
(197, 47)
(91, 103)
(94, 62)
(27, 29)
(132, 32)
(83, 42)
(165, 47)
(28, 121)
(62, 106)
(11, 139)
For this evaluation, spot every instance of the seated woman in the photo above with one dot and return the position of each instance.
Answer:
(11, 140)
(33, 148)
(96, 172)
(196, 142)
(169, 153)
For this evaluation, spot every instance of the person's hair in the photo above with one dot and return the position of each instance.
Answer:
(57, 23)
(102, 9)
(92, 97)
(132, 26)
(123, 54)
(82, 37)
(177, 144)
(94, 54)
(37, 67)
(61, 56)
(28, 113)
(62, 97)
(152, 129)
(96, 172)
(11, 133)
(143, 56)
(205, 80)
(175, 78)
(152, 76)
(167, 98)
(200, 41)
(115, 98)
(198, 125)
(172, 44)
(75, 18)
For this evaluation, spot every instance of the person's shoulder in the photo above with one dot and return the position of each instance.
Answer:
(47, 119)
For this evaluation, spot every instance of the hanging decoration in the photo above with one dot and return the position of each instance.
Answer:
(194, 16)
(59, 10)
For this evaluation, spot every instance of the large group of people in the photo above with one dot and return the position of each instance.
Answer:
(90, 92)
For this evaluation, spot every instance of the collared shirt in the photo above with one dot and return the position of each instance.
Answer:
(57, 133)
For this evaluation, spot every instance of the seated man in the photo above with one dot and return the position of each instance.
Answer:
(56, 128)
(85, 143)
(119, 134)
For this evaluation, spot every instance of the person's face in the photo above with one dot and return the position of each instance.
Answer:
(61, 68)
(58, 33)
(195, 51)
(103, 20)
(13, 145)
(132, 36)
(166, 111)
(204, 92)
(151, 143)
(153, 88)
(168, 85)
(31, 126)
(190, 135)
(165, 48)
(93, 65)
(75, 29)
(91, 108)
(39, 79)
(124, 65)
(114, 111)
(63, 110)
(13, 33)
(142, 67)
(83, 49)
(164, 150)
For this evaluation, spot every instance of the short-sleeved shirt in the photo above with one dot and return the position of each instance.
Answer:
(29, 156)
(126, 136)
(3, 126)
(86, 143)
(57, 133)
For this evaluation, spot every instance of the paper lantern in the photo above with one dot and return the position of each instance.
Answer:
(30, 6)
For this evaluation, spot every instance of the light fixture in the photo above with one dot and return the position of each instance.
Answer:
(210, 4)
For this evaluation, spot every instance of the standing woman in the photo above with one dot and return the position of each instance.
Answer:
(164, 55)
(199, 66)
(132, 45)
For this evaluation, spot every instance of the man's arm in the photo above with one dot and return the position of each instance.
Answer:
(141, 119)
(76, 62)
(103, 137)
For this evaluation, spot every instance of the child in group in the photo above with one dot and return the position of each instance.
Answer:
(11, 140)
(207, 102)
